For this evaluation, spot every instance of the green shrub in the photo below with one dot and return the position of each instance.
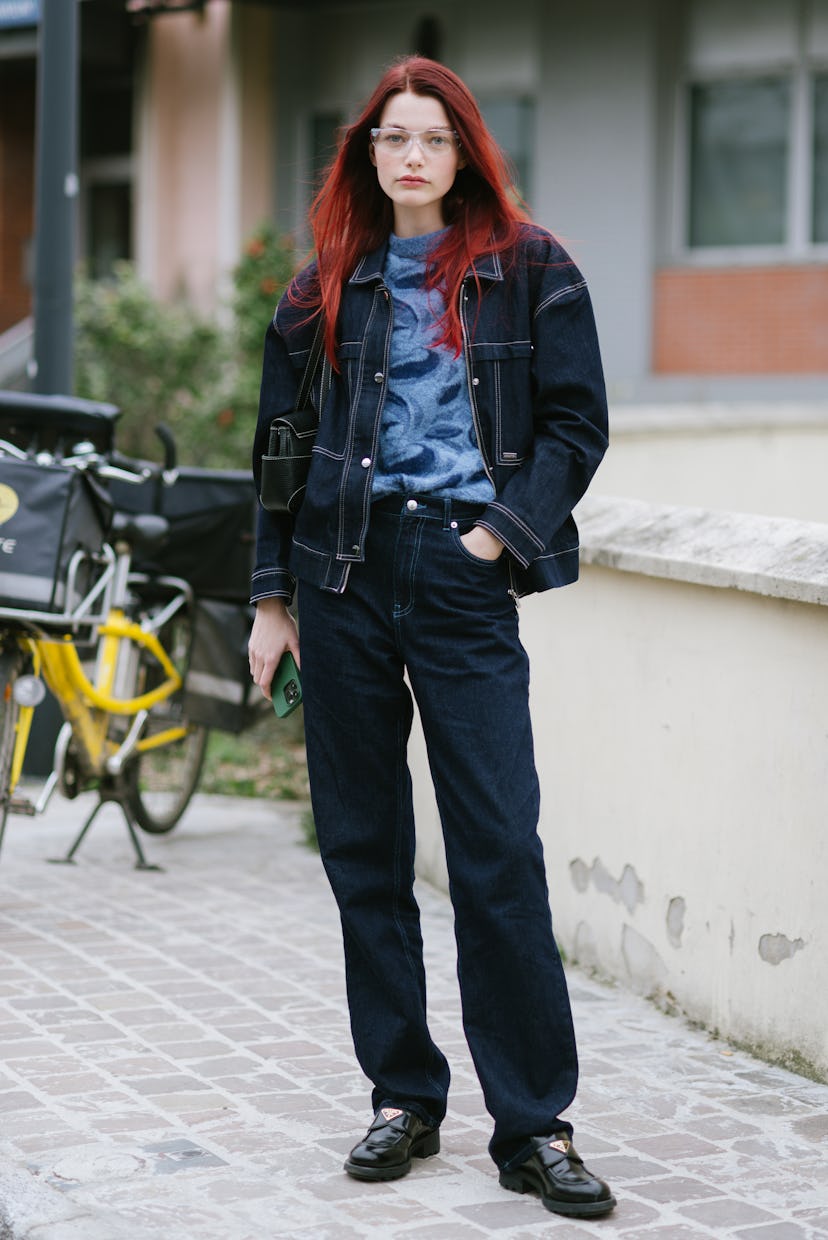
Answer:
(263, 273)
(258, 281)
(157, 362)
(162, 362)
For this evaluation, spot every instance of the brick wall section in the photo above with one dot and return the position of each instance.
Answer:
(741, 320)
(17, 140)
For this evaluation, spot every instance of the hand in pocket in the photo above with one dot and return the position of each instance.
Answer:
(480, 543)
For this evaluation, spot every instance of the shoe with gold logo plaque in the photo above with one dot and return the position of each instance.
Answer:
(557, 1174)
(394, 1138)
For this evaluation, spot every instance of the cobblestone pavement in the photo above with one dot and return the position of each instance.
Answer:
(176, 1064)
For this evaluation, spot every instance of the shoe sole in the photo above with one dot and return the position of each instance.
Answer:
(424, 1148)
(516, 1183)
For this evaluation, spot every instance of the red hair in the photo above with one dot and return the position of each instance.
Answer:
(351, 215)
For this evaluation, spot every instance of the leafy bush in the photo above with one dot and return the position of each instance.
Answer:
(258, 281)
(162, 362)
(156, 362)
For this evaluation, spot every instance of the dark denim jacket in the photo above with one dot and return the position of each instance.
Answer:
(538, 400)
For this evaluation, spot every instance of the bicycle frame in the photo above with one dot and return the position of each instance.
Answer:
(89, 705)
(24, 722)
(126, 735)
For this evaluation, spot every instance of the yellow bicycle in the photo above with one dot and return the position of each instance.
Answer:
(113, 644)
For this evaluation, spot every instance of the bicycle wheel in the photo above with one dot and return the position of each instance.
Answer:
(10, 664)
(159, 783)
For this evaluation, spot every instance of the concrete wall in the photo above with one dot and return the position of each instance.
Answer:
(596, 153)
(678, 695)
(743, 457)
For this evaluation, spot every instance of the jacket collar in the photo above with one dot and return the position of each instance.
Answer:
(488, 266)
(370, 267)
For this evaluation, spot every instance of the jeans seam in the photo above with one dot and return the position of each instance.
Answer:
(401, 612)
(401, 762)
(399, 615)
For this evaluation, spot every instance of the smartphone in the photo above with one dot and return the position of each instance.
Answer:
(287, 687)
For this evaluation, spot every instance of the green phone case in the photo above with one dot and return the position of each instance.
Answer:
(287, 687)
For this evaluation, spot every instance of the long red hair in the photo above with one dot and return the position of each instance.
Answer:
(351, 215)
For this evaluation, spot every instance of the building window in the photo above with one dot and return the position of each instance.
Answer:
(324, 135)
(108, 43)
(108, 226)
(739, 162)
(820, 209)
(511, 121)
(756, 125)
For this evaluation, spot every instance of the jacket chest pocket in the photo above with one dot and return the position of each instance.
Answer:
(348, 356)
(332, 435)
(502, 379)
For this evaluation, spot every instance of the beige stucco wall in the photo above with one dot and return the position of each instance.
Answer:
(253, 53)
(741, 456)
(205, 148)
(179, 153)
(682, 747)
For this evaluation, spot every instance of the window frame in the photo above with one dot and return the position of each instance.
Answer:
(797, 246)
(525, 100)
(105, 170)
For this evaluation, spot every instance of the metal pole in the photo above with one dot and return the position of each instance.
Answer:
(56, 195)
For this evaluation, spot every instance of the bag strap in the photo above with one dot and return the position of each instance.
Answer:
(303, 395)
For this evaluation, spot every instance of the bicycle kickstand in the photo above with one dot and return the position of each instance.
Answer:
(106, 796)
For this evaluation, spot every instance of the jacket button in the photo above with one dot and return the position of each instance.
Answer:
(411, 505)
(475, 381)
(365, 462)
(355, 549)
(378, 377)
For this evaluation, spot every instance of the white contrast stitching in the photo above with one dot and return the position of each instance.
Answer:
(571, 288)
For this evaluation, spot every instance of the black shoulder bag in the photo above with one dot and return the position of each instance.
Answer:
(291, 438)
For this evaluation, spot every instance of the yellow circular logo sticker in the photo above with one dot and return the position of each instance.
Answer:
(9, 503)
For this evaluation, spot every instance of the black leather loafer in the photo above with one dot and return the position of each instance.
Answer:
(394, 1138)
(559, 1177)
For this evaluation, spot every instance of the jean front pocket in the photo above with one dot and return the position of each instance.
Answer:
(457, 531)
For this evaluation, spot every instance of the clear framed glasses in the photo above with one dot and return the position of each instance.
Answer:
(389, 140)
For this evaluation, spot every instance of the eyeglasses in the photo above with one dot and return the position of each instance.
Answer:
(390, 141)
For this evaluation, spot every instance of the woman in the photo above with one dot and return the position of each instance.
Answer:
(464, 420)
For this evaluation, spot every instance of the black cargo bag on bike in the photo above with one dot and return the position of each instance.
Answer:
(218, 691)
(212, 516)
(211, 541)
(47, 514)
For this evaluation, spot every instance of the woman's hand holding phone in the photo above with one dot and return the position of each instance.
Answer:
(273, 634)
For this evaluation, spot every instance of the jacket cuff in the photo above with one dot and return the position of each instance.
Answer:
(272, 583)
(522, 542)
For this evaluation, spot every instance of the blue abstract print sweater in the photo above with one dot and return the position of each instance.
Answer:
(428, 444)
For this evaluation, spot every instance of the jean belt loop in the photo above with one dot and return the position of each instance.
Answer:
(446, 513)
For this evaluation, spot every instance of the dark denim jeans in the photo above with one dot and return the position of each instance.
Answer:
(421, 603)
